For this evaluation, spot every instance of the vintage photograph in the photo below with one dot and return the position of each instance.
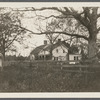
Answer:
(50, 48)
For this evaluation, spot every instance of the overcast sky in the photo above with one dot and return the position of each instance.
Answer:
(30, 23)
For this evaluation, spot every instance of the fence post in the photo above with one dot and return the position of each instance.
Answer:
(1, 62)
(86, 76)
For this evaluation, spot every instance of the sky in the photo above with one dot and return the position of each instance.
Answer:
(34, 40)
(31, 24)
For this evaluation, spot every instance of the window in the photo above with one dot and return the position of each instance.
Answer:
(56, 58)
(63, 51)
(75, 57)
(57, 50)
(43, 57)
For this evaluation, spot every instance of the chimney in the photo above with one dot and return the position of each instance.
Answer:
(59, 40)
(45, 42)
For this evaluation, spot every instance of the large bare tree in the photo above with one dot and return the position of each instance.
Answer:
(87, 17)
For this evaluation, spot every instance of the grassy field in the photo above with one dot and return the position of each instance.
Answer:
(46, 77)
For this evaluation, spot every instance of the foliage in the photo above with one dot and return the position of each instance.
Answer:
(20, 77)
(73, 49)
(86, 17)
(15, 58)
(9, 29)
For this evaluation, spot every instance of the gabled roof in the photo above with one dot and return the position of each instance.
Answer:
(48, 47)
(37, 50)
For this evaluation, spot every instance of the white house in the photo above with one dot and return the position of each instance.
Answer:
(74, 58)
(60, 53)
(37, 53)
(44, 53)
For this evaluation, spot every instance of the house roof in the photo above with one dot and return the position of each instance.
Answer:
(48, 46)
(56, 45)
(37, 49)
(76, 54)
(61, 43)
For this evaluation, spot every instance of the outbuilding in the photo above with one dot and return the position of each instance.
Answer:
(74, 58)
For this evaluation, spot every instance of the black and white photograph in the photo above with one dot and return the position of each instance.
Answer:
(49, 47)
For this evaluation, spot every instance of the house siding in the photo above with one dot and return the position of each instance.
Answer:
(72, 57)
(44, 53)
(60, 53)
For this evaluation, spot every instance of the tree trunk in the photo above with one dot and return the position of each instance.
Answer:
(92, 48)
(3, 49)
(93, 35)
(91, 23)
(51, 48)
(3, 52)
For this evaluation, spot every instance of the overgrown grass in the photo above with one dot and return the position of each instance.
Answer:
(46, 78)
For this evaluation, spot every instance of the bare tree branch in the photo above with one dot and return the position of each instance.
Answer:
(53, 16)
(14, 39)
(58, 32)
